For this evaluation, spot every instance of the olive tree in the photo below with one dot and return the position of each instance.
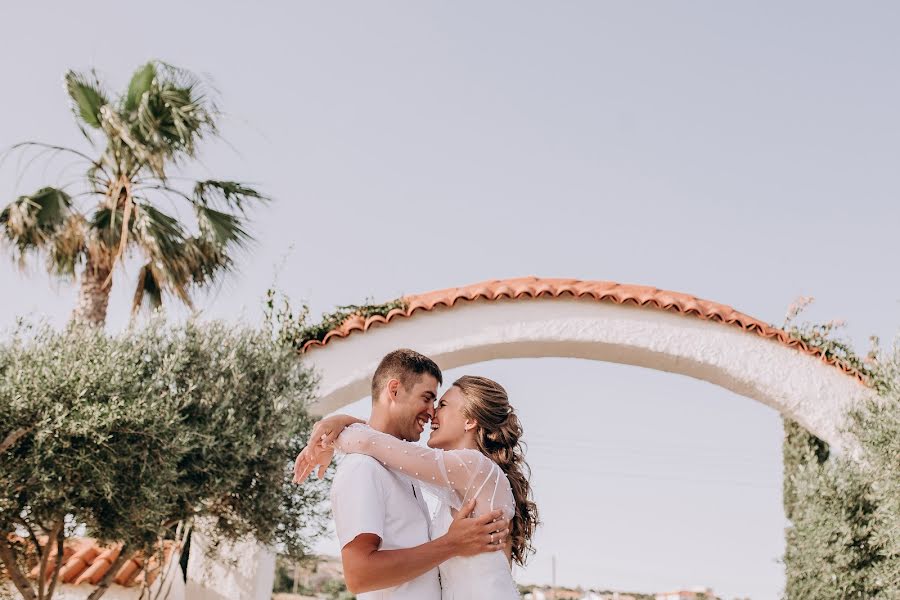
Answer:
(133, 437)
(843, 541)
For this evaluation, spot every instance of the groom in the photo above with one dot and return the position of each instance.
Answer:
(380, 517)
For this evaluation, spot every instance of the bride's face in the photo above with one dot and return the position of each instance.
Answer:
(448, 425)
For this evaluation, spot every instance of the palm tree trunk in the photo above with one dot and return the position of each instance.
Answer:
(93, 297)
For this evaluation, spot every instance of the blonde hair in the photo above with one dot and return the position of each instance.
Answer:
(497, 437)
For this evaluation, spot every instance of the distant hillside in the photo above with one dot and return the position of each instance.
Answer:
(318, 577)
(322, 578)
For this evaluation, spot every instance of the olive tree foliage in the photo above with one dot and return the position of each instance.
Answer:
(843, 541)
(833, 550)
(131, 438)
(877, 426)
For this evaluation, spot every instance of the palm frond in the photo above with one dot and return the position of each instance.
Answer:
(206, 261)
(139, 85)
(168, 190)
(171, 259)
(106, 224)
(231, 194)
(22, 145)
(173, 114)
(29, 221)
(34, 151)
(126, 142)
(53, 206)
(220, 227)
(87, 97)
(179, 263)
(67, 246)
(159, 234)
(148, 290)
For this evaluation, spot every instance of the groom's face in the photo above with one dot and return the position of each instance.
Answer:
(413, 407)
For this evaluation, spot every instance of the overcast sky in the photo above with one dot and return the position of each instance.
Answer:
(744, 153)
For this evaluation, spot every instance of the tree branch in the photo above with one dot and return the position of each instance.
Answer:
(60, 538)
(34, 538)
(181, 534)
(14, 437)
(8, 556)
(42, 579)
(104, 583)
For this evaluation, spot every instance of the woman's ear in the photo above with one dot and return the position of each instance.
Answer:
(470, 425)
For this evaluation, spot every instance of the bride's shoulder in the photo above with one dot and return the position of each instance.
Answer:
(473, 458)
(466, 454)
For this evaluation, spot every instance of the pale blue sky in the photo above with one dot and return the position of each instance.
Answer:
(745, 153)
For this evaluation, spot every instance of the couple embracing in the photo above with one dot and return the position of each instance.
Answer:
(473, 465)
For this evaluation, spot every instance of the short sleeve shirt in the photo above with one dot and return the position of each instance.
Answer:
(366, 497)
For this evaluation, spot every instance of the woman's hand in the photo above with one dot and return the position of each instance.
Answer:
(312, 459)
(320, 447)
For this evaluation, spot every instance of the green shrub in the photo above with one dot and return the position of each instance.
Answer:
(843, 541)
(833, 549)
(134, 436)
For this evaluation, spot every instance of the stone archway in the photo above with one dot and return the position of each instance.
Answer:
(598, 320)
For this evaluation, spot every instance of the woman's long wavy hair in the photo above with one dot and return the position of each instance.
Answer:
(498, 437)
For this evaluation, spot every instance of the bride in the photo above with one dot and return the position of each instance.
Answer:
(474, 453)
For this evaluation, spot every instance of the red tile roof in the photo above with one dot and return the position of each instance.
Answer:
(601, 291)
(86, 561)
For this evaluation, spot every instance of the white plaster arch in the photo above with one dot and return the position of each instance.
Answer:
(794, 382)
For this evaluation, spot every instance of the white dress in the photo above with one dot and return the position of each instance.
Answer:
(454, 476)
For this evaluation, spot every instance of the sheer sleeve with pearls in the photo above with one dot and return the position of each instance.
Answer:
(454, 476)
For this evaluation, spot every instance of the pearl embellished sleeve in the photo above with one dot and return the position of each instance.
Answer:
(454, 476)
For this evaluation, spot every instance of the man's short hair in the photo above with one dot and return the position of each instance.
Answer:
(406, 366)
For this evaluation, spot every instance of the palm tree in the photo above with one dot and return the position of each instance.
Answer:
(115, 207)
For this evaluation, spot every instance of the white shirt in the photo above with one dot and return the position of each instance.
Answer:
(369, 498)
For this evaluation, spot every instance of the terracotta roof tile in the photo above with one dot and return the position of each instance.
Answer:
(75, 565)
(86, 561)
(601, 291)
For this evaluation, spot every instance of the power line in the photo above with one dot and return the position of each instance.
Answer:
(692, 480)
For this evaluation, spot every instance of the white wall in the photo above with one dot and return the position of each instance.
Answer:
(243, 571)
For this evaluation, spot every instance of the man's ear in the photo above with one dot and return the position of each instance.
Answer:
(393, 388)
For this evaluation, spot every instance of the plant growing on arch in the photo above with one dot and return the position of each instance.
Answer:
(119, 204)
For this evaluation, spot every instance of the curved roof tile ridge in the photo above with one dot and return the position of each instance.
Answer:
(601, 291)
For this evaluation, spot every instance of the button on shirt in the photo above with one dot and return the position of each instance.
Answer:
(368, 498)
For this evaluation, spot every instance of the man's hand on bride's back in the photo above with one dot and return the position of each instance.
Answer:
(473, 535)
